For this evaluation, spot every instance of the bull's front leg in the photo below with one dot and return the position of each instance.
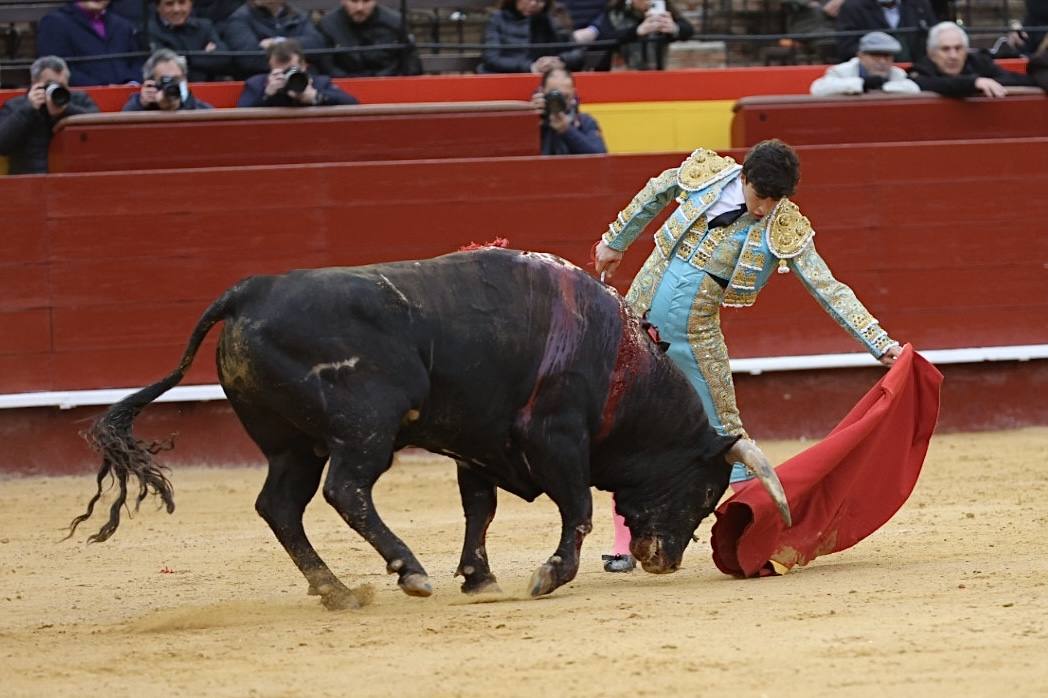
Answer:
(559, 462)
(479, 500)
(561, 568)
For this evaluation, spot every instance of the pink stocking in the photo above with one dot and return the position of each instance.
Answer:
(622, 534)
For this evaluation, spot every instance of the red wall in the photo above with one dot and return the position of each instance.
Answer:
(806, 120)
(152, 141)
(103, 275)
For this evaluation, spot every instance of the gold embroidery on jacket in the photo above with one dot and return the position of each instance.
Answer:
(642, 290)
(702, 167)
(711, 354)
(841, 303)
(788, 230)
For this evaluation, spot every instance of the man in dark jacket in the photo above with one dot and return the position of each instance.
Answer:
(360, 23)
(85, 28)
(565, 130)
(26, 123)
(277, 88)
(216, 11)
(164, 86)
(173, 27)
(519, 23)
(906, 20)
(258, 23)
(951, 71)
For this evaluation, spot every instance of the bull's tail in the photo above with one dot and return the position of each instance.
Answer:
(123, 455)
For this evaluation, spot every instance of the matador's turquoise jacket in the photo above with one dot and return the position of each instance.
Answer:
(745, 253)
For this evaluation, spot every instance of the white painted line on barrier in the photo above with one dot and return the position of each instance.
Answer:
(68, 399)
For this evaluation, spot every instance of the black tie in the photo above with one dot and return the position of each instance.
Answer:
(727, 218)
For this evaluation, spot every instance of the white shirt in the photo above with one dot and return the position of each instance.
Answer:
(892, 15)
(731, 198)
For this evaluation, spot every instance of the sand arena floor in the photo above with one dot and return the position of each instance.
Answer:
(950, 598)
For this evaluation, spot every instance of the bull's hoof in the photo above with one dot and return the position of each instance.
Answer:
(543, 580)
(416, 584)
(483, 585)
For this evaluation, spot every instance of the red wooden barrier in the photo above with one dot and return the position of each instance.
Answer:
(104, 274)
(153, 140)
(806, 120)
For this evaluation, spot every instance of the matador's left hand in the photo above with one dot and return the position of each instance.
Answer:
(889, 357)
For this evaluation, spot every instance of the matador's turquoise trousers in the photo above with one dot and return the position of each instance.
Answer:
(686, 310)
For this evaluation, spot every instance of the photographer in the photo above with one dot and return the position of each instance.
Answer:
(165, 86)
(289, 83)
(565, 130)
(26, 123)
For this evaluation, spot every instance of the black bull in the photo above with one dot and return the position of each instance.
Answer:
(531, 374)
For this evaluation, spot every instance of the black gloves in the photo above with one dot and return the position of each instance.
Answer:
(873, 82)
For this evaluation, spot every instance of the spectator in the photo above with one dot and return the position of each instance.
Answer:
(131, 10)
(1025, 42)
(164, 85)
(642, 30)
(517, 24)
(870, 71)
(359, 23)
(216, 11)
(907, 20)
(584, 13)
(951, 70)
(814, 17)
(1037, 68)
(26, 123)
(85, 28)
(565, 130)
(258, 23)
(277, 88)
(171, 26)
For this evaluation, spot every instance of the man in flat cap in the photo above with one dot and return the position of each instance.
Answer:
(871, 70)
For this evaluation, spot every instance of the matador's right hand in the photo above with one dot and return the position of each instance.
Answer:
(606, 260)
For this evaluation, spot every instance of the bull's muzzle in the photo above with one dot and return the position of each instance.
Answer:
(652, 556)
(746, 452)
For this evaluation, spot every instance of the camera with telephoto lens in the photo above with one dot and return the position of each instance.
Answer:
(170, 87)
(555, 103)
(57, 93)
(296, 80)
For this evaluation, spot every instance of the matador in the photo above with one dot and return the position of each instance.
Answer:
(733, 226)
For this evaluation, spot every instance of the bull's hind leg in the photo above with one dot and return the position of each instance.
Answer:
(292, 481)
(558, 459)
(478, 503)
(356, 465)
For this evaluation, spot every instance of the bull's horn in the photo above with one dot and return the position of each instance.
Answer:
(746, 452)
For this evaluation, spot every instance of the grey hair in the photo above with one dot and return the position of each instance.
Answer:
(164, 55)
(47, 63)
(936, 32)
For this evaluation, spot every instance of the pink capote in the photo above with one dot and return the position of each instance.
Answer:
(843, 488)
